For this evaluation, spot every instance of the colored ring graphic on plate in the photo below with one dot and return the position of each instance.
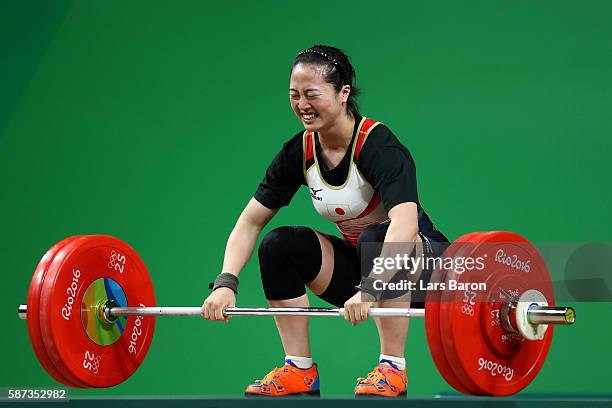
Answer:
(97, 294)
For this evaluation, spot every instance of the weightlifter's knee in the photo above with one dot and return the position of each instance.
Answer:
(289, 257)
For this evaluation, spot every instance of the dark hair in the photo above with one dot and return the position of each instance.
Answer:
(338, 70)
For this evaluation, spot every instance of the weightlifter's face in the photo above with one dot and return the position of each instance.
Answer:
(314, 101)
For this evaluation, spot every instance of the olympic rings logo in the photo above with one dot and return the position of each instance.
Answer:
(96, 365)
(92, 362)
(467, 310)
(113, 260)
(116, 261)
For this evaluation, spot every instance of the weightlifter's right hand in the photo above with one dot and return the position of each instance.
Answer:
(216, 302)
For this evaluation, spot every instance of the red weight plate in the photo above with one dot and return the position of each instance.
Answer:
(32, 318)
(432, 319)
(487, 359)
(85, 271)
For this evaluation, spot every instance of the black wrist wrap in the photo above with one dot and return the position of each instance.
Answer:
(225, 280)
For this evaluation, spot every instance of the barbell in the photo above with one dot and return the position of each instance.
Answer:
(90, 313)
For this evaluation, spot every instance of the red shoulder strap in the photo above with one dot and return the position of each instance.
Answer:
(308, 148)
(367, 125)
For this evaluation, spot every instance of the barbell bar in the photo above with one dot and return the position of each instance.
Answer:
(535, 315)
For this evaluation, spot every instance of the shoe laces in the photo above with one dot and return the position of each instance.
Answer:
(274, 375)
(374, 377)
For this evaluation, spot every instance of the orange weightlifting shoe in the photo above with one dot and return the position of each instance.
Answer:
(384, 381)
(287, 380)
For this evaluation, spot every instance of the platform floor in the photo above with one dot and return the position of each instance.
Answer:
(440, 401)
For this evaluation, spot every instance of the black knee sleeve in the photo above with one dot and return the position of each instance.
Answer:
(289, 257)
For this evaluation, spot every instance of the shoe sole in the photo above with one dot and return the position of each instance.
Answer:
(309, 394)
(401, 394)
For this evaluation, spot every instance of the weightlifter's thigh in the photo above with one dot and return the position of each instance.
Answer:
(339, 274)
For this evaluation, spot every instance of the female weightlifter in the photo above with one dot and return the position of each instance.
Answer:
(360, 177)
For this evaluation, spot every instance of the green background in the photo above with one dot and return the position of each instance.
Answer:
(155, 121)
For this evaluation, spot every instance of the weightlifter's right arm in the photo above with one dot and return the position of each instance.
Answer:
(238, 250)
